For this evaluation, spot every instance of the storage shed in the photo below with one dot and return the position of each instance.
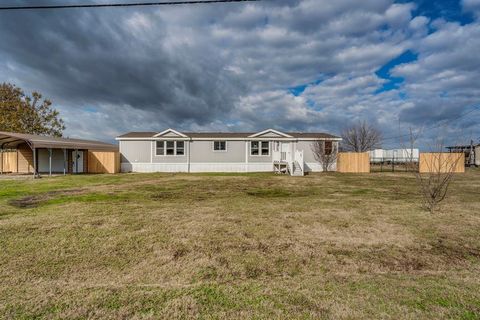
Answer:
(27, 153)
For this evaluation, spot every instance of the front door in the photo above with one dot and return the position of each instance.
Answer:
(77, 161)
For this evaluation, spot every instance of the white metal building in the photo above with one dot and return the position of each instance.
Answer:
(394, 155)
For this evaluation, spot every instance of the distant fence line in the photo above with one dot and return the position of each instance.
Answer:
(353, 162)
(394, 164)
(387, 160)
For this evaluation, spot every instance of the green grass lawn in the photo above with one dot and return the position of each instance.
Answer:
(237, 246)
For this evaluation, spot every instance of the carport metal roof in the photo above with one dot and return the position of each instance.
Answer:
(10, 140)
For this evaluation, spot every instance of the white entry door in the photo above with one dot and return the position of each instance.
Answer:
(77, 161)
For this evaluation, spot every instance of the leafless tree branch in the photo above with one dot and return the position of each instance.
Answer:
(325, 152)
(361, 137)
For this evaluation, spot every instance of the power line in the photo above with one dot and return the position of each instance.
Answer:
(111, 5)
(436, 126)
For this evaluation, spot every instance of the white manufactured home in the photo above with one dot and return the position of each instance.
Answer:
(269, 150)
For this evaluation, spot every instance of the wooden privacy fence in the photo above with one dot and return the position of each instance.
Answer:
(17, 161)
(8, 161)
(440, 162)
(103, 162)
(353, 162)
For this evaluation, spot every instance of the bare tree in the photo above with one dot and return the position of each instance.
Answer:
(361, 137)
(434, 174)
(325, 152)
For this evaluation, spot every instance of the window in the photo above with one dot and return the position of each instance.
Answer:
(219, 146)
(254, 148)
(160, 148)
(265, 148)
(180, 148)
(328, 147)
(258, 148)
(170, 148)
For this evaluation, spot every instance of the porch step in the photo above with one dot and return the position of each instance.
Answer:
(297, 171)
(293, 168)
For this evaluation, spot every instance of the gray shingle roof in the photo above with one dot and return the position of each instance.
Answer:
(227, 135)
(138, 135)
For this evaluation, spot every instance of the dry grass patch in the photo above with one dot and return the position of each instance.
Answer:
(258, 246)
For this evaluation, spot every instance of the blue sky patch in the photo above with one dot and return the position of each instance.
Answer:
(450, 10)
(384, 72)
(91, 109)
(298, 90)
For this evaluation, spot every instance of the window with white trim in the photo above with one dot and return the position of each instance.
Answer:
(219, 146)
(265, 148)
(160, 148)
(170, 148)
(258, 148)
(255, 148)
(180, 149)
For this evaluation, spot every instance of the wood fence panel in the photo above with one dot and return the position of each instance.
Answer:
(24, 159)
(103, 162)
(8, 163)
(353, 162)
(442, 162)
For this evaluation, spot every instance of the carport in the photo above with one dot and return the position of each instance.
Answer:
(27, 153)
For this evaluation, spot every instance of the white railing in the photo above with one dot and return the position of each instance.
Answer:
(299, 159)
(278, 156)
(292, 160)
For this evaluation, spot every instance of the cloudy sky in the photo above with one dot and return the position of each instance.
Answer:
(301, 65)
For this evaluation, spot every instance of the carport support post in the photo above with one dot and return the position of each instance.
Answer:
(49, 161)
(76, 160)
(34, 163)
(64, 161)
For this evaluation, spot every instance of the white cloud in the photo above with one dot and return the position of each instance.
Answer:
(229, 67)
(471, 6)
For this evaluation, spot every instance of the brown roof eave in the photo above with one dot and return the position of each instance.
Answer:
(36, 141)
(74, 146)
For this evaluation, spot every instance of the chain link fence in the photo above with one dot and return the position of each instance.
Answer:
(393, 165)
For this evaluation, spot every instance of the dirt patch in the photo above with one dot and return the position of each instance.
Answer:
(35, 200)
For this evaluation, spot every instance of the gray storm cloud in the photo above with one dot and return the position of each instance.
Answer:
(231, 66)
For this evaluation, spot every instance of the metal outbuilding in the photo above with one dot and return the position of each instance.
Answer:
(28, 153)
